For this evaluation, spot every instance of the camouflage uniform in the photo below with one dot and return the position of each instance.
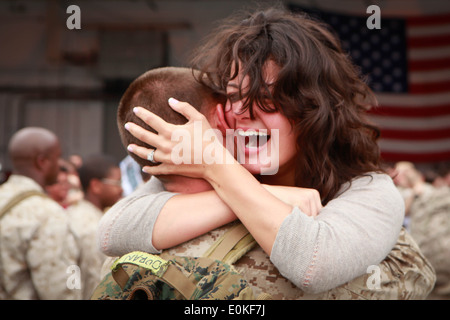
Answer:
(430, 227)
(142, 276)
(404, 274)
(36, 246)
(83, 219)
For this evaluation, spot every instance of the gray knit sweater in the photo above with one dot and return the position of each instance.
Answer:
(353, 231)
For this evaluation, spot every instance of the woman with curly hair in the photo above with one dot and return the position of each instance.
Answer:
(328, 211)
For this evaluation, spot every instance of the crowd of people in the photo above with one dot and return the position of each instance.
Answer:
(328, 212)
(48, 237)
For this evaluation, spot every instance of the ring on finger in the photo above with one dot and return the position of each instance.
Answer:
(151, 155)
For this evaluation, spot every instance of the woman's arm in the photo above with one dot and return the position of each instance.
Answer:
(151, 219)
(187, 216)
(260, 211)
(355, 230)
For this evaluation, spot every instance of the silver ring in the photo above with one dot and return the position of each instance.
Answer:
(151, 155)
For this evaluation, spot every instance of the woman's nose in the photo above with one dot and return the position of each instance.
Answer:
(239, 112)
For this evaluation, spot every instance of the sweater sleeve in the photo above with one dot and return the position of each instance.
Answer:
(128, 225)
(353, 231)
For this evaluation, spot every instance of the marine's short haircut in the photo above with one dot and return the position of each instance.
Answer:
(152, 90)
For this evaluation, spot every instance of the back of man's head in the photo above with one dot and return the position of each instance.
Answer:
(152, 91)
(95, 167)
(101, 180)
(26, 143)
(34, 152)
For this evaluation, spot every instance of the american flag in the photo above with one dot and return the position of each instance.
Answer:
(407, 62)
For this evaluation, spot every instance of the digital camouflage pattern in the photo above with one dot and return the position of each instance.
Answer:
(214, 281)
(404, 274)
(430, 227)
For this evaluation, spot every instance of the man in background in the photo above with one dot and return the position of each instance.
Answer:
(100, 179)
(36, 245)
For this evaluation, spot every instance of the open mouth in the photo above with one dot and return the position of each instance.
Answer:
(254, 139)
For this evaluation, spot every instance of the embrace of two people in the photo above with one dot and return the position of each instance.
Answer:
(326, 210)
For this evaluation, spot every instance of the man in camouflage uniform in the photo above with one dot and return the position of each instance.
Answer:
(36, 245)
(405, 274)
(100, 178)
(430, 227)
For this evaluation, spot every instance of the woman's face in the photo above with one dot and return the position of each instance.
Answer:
(267, 143)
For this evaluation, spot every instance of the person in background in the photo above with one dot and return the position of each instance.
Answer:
(76, 160)
(410, 182)
(442, 178)
(59, 191)
(67, 190)
(132, 175)
(37, 246)
(428, 219)
(75, 191)
(4, 174)
(100, 178)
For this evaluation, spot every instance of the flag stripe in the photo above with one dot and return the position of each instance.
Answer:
(429, 42)
(429, 30)
(427, 76)
(431, 20)
(419, 135)
(429, 64)
(417, 100)
(407, 111)
(429, 87)
(411, 123)
(426, 53)
(415, 157)
(409, 146)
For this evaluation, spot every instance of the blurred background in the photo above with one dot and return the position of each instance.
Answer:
(71, 80)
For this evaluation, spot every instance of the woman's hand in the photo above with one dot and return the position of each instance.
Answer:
(185, 149)
(308, 200)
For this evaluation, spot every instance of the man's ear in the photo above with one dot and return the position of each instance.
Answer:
(219, 119)
(95, 185)
(40, 162)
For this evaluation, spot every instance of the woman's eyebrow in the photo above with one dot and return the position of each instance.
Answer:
(232, 85)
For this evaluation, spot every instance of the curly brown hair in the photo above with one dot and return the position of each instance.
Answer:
(317, 87)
